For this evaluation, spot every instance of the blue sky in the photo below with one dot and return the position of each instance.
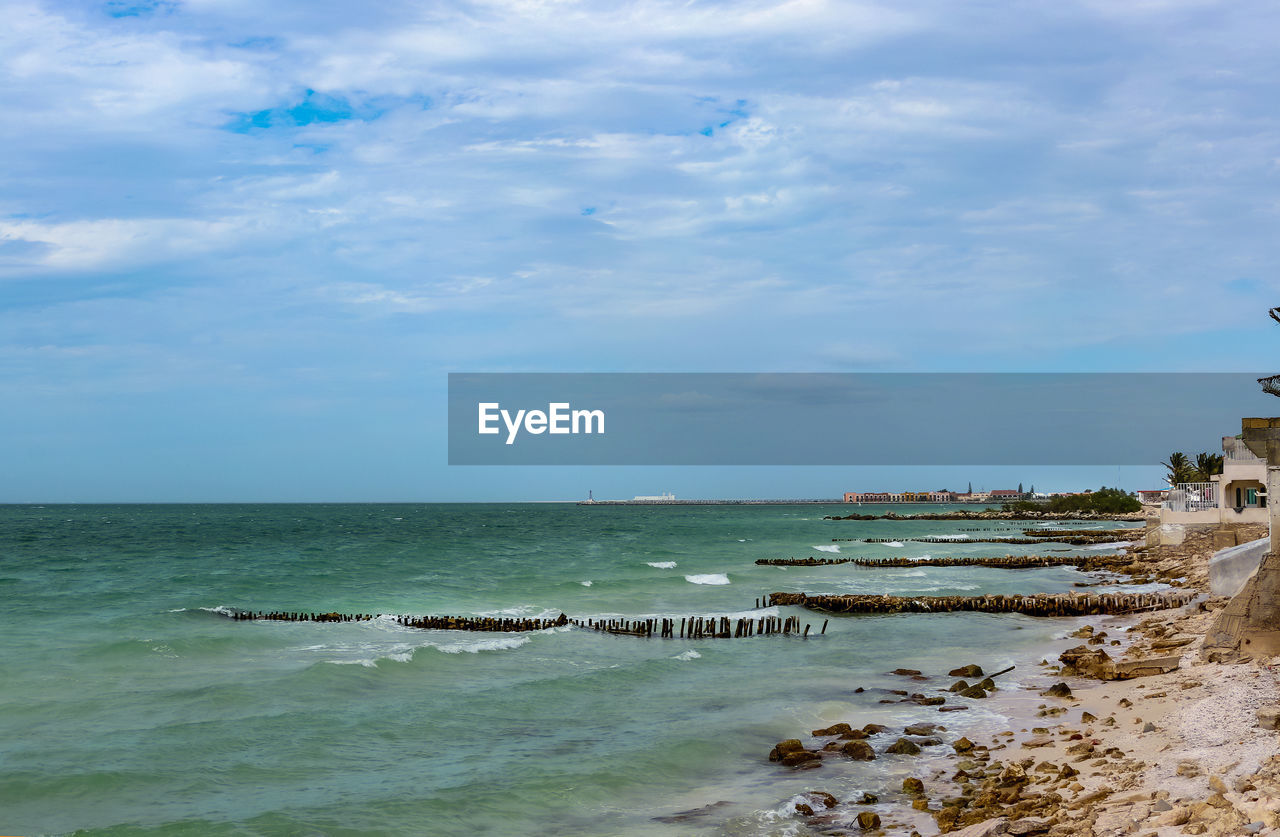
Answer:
(241, 244)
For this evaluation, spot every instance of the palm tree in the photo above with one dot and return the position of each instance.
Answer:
(1207, 464)
(1180, 469)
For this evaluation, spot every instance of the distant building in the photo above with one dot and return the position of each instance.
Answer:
(1001, 494)
(1153, 496)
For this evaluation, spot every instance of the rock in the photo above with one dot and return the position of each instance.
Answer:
(1084, 661)
(1188, 768)
(920, 729)
(905, 672)
(959, 686)
(780, 749)
(1269, 717)
(822, 798)
(986, 828)
(1058, 690)
(868, 820)
(1039, 741)
(834, 729)
(859, 751)
(971, 670)
(868, 799)
(903, 747)
(796, 758)
(912, 785)
(804, 810)
(1087, 717)
(1027, 826)
(853, 735)
(1178, 816)
(929, 701)
(873, 729)
(988, 685)
(1148, 727)
(974, 692)
(963, 745)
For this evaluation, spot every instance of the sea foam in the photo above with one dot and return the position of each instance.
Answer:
(662, 565)
(829, 547)
(707, 578)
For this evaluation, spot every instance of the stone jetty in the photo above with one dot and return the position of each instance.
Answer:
(1040, 604)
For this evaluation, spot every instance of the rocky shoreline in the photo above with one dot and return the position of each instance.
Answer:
(1132, 731)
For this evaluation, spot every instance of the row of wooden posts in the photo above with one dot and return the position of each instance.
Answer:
(690, 627)
(1007, 562)
(299, 616)
(701, 627)
(1039, 604)
(1072, 540)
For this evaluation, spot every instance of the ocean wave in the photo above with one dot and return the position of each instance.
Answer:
(894, 544)
(585, 583)
(662, 565)
(732, 615)
(524, 611)
(475, 646)
(708, 578)
(1104, 546)
(831, 547)
(687, 655)
(221, 610)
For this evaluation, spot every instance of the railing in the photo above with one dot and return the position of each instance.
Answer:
(1192, 496)
(1237, 451)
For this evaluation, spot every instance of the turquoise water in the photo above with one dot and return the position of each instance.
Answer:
(128, 704)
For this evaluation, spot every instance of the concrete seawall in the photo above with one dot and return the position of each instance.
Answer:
(1231, 568)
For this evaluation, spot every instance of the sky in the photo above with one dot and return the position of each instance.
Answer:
(242, 244)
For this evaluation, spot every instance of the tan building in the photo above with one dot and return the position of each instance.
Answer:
(1237, 495)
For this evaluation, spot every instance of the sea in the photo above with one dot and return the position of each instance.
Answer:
(131, 704)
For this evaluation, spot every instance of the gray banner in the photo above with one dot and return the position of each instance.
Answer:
(843, 419)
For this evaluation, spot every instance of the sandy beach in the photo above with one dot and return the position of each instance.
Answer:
(1176, 753)
(1182, 752)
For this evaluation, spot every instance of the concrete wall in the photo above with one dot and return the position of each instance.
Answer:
(1230, 568)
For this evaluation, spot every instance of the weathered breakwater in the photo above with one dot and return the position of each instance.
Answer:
(993, 514)
(689, 627)
(1073, 540)
(701, 627)
(1039, 604)
(1007, 562)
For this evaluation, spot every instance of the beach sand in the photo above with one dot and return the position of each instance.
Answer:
(1176, 753)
